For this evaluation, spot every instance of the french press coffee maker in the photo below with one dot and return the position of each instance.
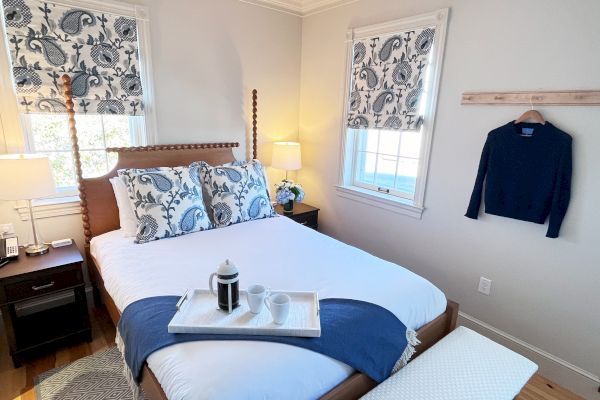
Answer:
(228, 292)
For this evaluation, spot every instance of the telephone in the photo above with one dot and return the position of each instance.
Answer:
(9, 250)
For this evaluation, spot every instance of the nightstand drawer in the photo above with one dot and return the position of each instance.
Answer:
(43, 284)
(307, 219)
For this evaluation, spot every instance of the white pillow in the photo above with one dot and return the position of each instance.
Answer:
(127, 219)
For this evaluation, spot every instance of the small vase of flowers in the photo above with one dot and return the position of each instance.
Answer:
(287, 192)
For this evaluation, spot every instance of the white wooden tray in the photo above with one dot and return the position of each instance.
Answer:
(198, 312)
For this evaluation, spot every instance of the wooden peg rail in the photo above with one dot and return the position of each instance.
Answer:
(546, 98)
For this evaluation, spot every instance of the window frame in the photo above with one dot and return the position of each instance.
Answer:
(346, 186)
(17, 137)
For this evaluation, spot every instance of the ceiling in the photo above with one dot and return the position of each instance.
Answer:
(300, 8)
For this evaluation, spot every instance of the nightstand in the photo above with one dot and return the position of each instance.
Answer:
(26, 281)
(303, 214)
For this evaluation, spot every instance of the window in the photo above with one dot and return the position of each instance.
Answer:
(49, 134)
(392, 81)
(387, 161)
(103, 48)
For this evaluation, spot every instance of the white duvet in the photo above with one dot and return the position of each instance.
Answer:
(277, 253)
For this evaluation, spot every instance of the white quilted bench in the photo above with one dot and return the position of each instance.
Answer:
(462, 366)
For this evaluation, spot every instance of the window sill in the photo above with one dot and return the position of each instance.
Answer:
(380, 200)
(47, 208)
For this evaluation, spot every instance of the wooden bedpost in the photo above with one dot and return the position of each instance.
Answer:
(68, 92)
(254, 124)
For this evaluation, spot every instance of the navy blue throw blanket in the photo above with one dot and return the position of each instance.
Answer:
(363, 335)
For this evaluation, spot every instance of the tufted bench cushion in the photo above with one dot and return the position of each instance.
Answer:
(462, 366)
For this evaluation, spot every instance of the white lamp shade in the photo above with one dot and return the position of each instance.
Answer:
(25, 177)
(286, 155)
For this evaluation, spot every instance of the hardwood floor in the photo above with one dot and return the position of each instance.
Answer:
(17, 384)
(540, 388)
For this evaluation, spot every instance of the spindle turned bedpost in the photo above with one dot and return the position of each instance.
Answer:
(254, 124)
(68, 92)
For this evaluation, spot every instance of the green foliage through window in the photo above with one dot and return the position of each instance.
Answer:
(50, 136)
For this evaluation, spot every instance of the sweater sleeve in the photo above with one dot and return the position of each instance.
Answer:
(473, 209)
(562, 191)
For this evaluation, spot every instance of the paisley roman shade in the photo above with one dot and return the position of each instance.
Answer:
(98, 50)
(387, 79)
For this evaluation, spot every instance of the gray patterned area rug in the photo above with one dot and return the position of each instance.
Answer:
(96, 377)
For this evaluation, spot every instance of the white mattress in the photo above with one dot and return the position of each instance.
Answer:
(275, 252)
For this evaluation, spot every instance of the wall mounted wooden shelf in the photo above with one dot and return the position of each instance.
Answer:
(546, 98)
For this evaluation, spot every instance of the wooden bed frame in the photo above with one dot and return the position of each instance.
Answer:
(100, 215)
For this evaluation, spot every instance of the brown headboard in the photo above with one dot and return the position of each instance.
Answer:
(99, 210)
(98, 205)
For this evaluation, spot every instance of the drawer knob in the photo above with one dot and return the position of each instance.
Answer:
(43, 286)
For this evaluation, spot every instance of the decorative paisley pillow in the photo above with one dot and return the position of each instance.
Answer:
(238, 192)
(200, 168)
(166, 201)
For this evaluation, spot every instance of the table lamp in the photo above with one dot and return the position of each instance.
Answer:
(27, 177)
(286, 155)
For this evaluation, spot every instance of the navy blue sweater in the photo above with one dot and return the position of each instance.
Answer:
(527, 172)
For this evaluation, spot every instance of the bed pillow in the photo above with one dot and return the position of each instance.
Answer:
(127, 218)
(200, 169)
(238, 192)
(166, 201)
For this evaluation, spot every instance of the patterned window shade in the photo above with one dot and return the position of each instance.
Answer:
(387, 80)
(98, 50)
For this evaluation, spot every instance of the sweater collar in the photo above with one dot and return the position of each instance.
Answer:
(537, 127)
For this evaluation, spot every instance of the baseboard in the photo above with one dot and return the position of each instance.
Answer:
(572, 377)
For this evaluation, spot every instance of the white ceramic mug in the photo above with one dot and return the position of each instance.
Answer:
(256, 295)
(279, 305)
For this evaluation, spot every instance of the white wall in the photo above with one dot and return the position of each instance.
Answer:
(544, 291)
(207, 57)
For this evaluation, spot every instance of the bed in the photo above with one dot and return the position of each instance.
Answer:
(122, 272)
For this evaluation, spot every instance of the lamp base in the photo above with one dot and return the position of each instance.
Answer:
(36, 249)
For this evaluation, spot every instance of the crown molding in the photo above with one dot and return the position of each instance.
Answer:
(310, 7)
(300, 8)
(293, 7)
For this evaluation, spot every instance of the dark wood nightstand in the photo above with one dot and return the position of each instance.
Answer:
(303, 214)
(28, 278)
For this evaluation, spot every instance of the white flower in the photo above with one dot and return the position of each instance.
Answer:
(287, 190)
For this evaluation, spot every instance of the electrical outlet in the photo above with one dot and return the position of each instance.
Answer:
(485, 285)
(7, 229)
